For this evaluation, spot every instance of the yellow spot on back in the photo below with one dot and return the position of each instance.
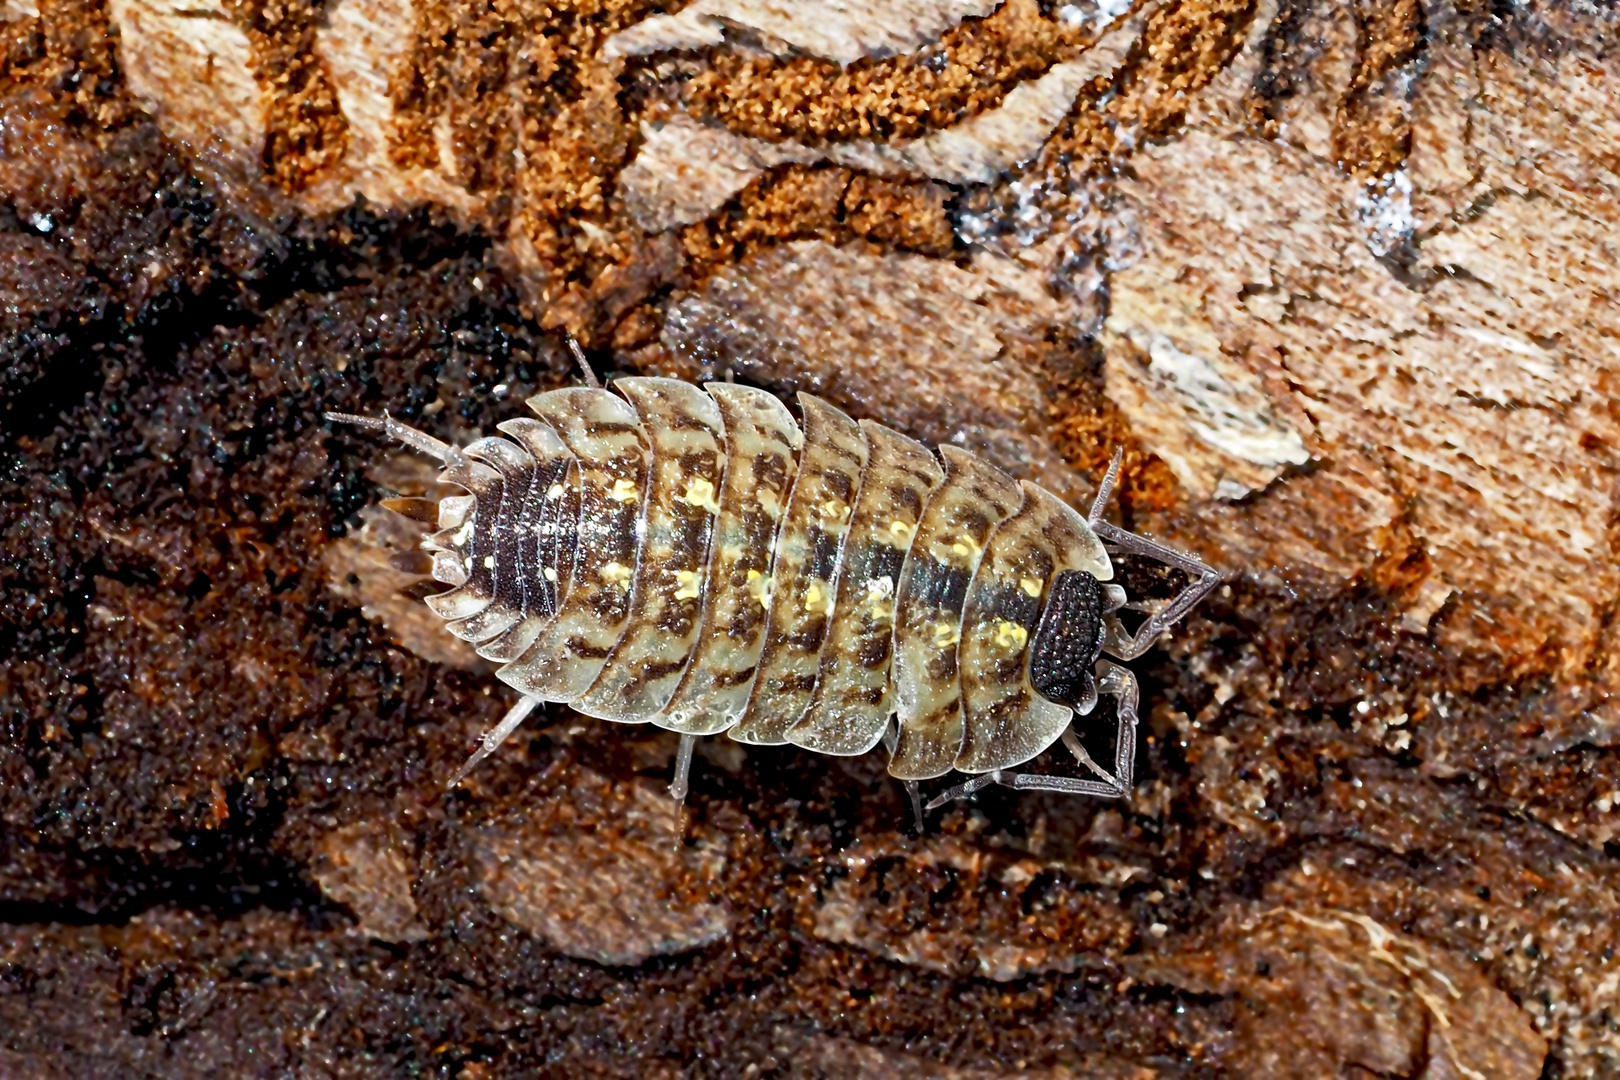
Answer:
(489, 562)
(882, 587)
(615, 573)
(901, 530)
(700, 493)
(812, 597)
(759, 587)
(1009, 635)
(690, 589)
(834, 510)
(624, 491)
(550, 575)
(879, 598)
(945, 635)
(1030, 586)
(555, 491)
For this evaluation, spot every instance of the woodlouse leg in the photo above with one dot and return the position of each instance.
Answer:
(1119, 642)
(1072, 742)
(678, 786)
(1111, 679)
(962, 791)
(497, 735)
(891, 741)
(1121, 682)
(1063, 785)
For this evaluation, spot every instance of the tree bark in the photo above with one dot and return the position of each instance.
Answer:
(1340, 279)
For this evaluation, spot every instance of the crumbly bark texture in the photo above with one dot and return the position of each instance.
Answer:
(1339, 278)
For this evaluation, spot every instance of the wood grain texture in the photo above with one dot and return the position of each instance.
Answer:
(1340, 279)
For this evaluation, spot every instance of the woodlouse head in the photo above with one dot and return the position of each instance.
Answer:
(1068, 641)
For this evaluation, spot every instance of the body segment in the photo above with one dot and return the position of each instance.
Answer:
(956, 525)
(603, 433)
(681, 427)
(853, 698)
(804, 577)
(762, 447)
(1006, 722)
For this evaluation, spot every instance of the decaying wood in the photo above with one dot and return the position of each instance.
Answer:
(836, 31)
(1342, 279)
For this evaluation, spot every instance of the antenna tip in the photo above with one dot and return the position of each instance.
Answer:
(357, 421)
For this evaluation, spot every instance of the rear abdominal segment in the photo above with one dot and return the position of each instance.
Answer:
(464, 547)
(545, 529)
(604, 435)
(496, 567)
(686, 556)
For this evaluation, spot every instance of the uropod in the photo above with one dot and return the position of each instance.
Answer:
(689, 556)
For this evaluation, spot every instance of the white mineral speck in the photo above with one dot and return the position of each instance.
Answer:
(1384, 208)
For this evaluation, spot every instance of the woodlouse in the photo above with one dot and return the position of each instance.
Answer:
(692, 558)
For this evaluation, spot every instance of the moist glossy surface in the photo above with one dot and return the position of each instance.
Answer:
(732, 573)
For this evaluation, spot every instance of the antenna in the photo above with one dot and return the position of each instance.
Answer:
(393, 429)
(584, 365)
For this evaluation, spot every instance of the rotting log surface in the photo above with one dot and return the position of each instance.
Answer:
(1340, 278)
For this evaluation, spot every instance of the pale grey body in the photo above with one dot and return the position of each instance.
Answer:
(689, 557)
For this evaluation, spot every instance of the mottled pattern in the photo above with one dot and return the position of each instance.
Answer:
(603, 432)
(955, 526)
(1376, 822)
(853, 698)
(804, 577)
(1007, 722)
(762, 446)
(732, 574)
(681, 424)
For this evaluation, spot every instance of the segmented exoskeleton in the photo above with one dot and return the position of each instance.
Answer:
(690, 557)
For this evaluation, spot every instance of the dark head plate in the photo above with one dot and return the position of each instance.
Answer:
(1068, 640)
